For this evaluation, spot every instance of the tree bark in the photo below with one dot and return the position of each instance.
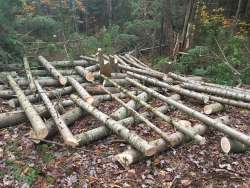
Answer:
(61, 125)
(213, 108)
(85, 73)
(36, 121)
(241, 137)
(57, 75)
(81, 91)
(197, 138)
(130, 156)
(201, 97)
(135, 140)
(29, 74)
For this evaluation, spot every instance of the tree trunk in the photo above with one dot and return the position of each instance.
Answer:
(36, 121)
(29, 74)
(201, 97)
(241, 137)
(168, 119)
(135, 140)
(81, 91)
(103, 131)
(84, 73)
(130, 156)
(57, 75)
(61, 125)
(213, 108)
(217, 91)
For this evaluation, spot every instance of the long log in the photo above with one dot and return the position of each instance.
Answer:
(70, 63)
(102, 131)
(85, 73)
(13, 118)
(217, 91)
(45, 72)
(29, 74)
(81, 91)
(133, 62)
(135, 140)
(181, 91)
(36, 121)
(89, 59)
(197, 138)
(241, 137)
(137, 60)
(147, 72)
(130, 156)
(68, 137)
(57, 75)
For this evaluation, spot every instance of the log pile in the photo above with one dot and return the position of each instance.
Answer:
(52, 97)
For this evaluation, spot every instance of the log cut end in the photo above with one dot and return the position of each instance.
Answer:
(225, 145)
(71, 142)
(62, 81)
(12, 103)
(213, 108)
(89, 100)
(89, 77)
(150, 151)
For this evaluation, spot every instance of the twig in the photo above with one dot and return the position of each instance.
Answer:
(47, 141)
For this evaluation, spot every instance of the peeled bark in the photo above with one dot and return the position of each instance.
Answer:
(57, 75)
(29, 74)
(166, 118)
(36, 121)
(213, 108)
(81, 91)
(177, 89)
(229, 145)
(241, 137)
(135, 140)
(218, 91)
(85, 73)
(130, 156)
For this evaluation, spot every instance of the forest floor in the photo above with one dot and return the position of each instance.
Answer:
(190, 165)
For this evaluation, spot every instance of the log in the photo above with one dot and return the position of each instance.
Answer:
(133, 62)
(147, 72)
(70, 63)
(13, 118)
(213, 108)
(130, 156)
(137, 60)
(229, 145)
(57, 75)
(241, 137)
(45, 72)
(36, 121)
(89, 59)
(29, 74)
(85, 73)
(218, 91)
(8, 94)
(81, 91)
(68, 137)
(197, 138)
(135, 140)
(201, 97)
(103, 131)
(120, 60)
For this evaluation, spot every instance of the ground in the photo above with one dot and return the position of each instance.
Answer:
(22, 163)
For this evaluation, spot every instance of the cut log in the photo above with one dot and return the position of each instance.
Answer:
(81, 91)
(70, 63)
(181, 91)
(137, 60)
(36, 121)
(120, 60)
(89, 59)
(197, 138)
(135, 140)
(8, 94)
(29, 74)
(133, 62)
(217, 91)
(241, 137)
(13, 118)
(68, 137)
(45, 72)
(57, 75)
(130, 156)
(93, 68)
(103, 131)
(85, 73)
(213, 108)
(147, 72)
(229, 145)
